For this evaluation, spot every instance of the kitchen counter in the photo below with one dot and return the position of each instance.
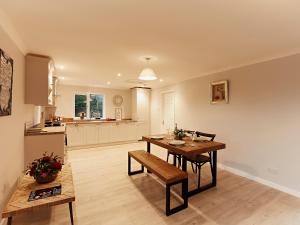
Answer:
(48, 131)
(99, 121)
(90, 133)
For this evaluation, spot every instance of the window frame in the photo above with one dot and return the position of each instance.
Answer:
(88, 99)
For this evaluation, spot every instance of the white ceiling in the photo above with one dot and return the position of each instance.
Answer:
(97, 39)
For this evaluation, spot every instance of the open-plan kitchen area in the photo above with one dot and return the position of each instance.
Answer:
(143, 113)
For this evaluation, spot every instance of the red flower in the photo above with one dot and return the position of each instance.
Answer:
(44, 175)
(56, 165)
(46, 158)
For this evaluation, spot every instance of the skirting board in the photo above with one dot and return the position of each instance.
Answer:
(260, 180)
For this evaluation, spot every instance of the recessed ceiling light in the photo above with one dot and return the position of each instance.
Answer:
(119, 74)
(61, 67)
(161, 80)
(108, 83)
(62, 78)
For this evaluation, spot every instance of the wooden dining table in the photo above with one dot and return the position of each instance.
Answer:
(189, 149)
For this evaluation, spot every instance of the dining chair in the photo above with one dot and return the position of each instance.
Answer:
(200, 160)
(176, 158)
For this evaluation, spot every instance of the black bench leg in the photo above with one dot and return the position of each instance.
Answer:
(170, 211)
(168, 200)
(129, 168)
(71, 212)
(9, 220)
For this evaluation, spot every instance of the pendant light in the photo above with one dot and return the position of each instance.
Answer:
(147, 73)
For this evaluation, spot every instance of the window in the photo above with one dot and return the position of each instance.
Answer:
(90, 104)
(96, 106)
(80, 105)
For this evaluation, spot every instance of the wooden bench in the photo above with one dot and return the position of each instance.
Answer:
(168, 173)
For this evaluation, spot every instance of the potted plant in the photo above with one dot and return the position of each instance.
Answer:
(45, 169)
(179, 134)
(82, 115)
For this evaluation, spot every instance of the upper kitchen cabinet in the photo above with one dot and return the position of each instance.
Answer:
(40, 83)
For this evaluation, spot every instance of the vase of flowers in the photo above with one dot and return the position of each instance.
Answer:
(179, 134)
(82, 115)
(45, 169)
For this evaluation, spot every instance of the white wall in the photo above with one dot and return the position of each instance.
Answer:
(260, 125)
(12, 127)
(66, 101)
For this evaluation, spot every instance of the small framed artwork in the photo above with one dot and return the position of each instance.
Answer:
(6, 83)
(118, 113)
(219, 92)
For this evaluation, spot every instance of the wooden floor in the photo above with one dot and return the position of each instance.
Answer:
(107, 195)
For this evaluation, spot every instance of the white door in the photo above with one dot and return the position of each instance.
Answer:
(168, 122)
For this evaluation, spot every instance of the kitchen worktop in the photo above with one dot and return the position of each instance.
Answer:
(48, 131)
(99, 121)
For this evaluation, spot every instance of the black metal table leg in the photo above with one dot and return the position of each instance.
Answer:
(174, 160)
(9, 220)
(184, 163)
(148, 147)
(149, 151)
(71, 212)
(214, 168)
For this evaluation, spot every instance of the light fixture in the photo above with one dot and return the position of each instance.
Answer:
(62, 78)
(61, 67)
(161, 80)
(108, 83)
(119, 74)
(147, 73)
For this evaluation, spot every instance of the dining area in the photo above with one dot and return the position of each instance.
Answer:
(187, 148)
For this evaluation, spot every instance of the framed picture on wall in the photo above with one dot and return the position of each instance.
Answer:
(118, 113)
(6, 83)
(219, 92)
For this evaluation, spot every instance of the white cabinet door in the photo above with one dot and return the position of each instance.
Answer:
(75, 135)
(116, 132)
(130, 131)
(104, 135)
(91, 134)
(142, 129)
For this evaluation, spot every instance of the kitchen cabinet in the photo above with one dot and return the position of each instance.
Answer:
(75, 135)
(91, 134)
(116, 134)
(40, 81)
(142, 129)
(140, 104)
(104, 135)
(131, 131)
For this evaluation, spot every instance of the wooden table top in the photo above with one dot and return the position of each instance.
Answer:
(19, 203)
(189, 148)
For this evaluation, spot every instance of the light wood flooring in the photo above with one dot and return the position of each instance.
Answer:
(105, 194)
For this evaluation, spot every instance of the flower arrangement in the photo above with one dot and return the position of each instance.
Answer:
(179, 134)
(45, 169)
